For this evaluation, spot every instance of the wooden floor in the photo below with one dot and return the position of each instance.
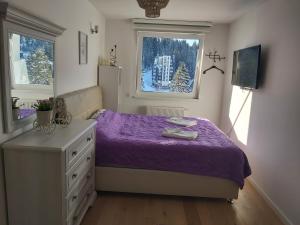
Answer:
(136, 209)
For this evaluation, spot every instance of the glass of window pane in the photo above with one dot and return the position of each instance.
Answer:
(168, 64)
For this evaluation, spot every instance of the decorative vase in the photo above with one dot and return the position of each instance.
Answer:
(15, 113)
(44, 118)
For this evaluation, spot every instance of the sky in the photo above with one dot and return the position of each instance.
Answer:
(190, 41)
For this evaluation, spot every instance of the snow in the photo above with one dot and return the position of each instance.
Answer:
(147, 83)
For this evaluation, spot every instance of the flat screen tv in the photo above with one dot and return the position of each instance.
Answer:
(246, 67)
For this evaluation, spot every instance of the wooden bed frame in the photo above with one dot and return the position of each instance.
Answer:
(83, 103)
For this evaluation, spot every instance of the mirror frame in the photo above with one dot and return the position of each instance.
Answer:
(17, 21)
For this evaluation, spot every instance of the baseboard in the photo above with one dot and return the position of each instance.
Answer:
(269, 201)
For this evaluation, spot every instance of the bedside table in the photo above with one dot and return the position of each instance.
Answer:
(50, 179)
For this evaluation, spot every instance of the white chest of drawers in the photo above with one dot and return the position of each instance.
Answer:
(50, 178)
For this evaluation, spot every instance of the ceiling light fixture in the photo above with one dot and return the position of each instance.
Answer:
(152, 7)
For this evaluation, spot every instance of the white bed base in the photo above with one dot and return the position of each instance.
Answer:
(163, 182)
(83, 102)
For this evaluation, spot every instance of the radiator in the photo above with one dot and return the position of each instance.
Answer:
(164, 111)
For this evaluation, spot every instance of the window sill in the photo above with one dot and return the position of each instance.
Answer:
(152, 98)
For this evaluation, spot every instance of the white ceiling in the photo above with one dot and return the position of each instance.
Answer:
(218, 11)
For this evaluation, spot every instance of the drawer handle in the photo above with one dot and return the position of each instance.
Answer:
(88, 158)
(88, 176)
(74, 176)
(75, 218)
(74, 198)
(88, 139)
(74, 153)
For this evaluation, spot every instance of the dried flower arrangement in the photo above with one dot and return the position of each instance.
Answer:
(43, 105)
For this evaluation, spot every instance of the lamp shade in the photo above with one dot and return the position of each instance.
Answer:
(152, 7)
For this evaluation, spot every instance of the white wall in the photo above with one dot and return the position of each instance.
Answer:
(121, 32)
(74, 15)
(268, 126)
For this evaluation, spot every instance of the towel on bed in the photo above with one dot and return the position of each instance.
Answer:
(178, 133)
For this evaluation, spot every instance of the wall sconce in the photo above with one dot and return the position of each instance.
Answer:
(93, 29)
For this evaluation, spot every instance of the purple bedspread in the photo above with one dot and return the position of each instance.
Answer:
(26, 113)
(135, 141)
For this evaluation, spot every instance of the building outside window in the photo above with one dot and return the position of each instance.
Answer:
(162, 71)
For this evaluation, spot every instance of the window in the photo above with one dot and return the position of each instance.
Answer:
(168, 64)
(31, 62)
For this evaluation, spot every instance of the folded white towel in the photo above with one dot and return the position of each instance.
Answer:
(182, 122)
(178, 133)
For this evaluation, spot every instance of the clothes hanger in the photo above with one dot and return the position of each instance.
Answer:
(213, 67)
(214, 56)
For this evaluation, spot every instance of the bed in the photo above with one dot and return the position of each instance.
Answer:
(132, 156)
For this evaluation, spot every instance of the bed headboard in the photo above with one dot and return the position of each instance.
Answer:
(82, 103)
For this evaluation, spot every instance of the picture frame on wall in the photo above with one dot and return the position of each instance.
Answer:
(83, 47)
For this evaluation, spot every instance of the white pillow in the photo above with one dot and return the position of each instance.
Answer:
(97, 113)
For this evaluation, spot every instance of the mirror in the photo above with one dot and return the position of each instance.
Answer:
(31, 62)
(27, 65)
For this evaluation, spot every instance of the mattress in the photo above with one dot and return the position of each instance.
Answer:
(135, 141)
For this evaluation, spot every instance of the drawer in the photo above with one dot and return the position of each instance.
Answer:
(80, 190)
(80, 168)
(76, 216)
(75, 150)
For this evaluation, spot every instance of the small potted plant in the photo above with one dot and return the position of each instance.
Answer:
(15, 107)
(44, 111)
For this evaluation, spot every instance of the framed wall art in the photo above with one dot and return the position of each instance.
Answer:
(83, 47)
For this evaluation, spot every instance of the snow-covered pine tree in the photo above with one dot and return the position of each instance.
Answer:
(181, 80)
(39, 68)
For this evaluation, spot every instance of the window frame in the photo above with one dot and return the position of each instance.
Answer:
(196, 86)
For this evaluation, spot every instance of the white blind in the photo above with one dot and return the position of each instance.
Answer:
(172, 26)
